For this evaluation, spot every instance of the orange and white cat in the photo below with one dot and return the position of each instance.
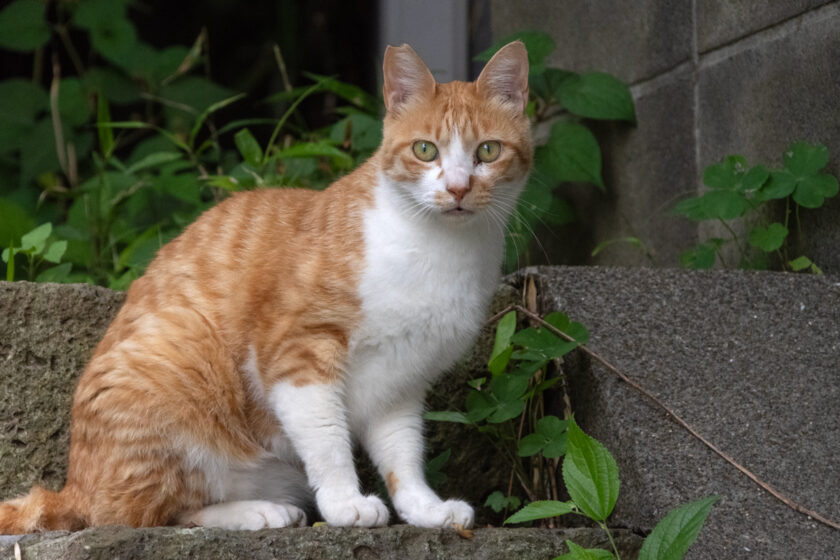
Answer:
(284, 325)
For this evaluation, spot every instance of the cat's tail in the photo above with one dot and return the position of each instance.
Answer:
(40, 510)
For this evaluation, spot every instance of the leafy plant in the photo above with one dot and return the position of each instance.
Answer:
(116, 189)
(36, 249)
(570, 153)
(508, 405)
(738, 191)
(510, 410)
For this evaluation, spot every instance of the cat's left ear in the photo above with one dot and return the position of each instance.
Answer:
(406, 78)
(506, 76)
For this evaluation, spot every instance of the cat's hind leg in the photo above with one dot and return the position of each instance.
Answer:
(247, 514)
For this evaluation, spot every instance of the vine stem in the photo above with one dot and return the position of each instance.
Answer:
(674, 416)
(606, 529)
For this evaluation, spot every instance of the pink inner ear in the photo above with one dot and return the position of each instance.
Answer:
(506, 75)
(406, 77)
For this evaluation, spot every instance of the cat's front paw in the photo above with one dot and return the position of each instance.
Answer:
(440, 515)
(354, 511)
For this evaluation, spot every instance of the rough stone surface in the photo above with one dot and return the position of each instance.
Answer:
(398, 542)
(633, 41)
(47, 334)
(722, 21)
(751, 361)
(757, 100)
(646, 170)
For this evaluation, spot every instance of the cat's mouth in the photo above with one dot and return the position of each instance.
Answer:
(458, 211)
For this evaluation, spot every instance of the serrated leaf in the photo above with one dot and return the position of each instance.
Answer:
(803, 159)
(36, 239)
(55, 251)
(542, 509)
(579, 553)
(597, 95)
(248, 147)
(811, 191)
(672, 537)
(571, 154)
(590, 474)
(23, 25)
(768, 238)
(447, 416)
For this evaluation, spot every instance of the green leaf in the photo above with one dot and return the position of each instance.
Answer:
(538, 44)
(16, 221)
(498, 501)
(780, 185)
(36, 239)
(73, 102)
(509, 387)
(579, 553)
(590, 474)
(531, 444)
(768, 238)
(803, 262)
(447, 416)
(506, 410)
(209, 111)
(812, 191)
(433, 467)
(542, 509)
(55, 273)
(725, 174)
(499, 362)
(153, 160)
(571, 154)
(479, 406)
(802, 159)
(315, 149)
(701, 257)
(672, 537)
(248, 147)
(554, 431)
(9, 258)
(21, 101)
(501, 344)
(106, 134)
(23, 25)
(116, 40)
(547, 84)
(597, 95)
(56, 251)
(754, 179)
(354, 94)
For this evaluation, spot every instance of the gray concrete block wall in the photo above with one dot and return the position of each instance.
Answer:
(709, 78)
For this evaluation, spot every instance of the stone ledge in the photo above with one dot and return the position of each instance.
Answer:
(398, 542)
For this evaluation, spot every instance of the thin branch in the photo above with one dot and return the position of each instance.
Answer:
(749, 474)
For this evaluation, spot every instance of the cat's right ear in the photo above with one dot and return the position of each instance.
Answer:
(406, 78)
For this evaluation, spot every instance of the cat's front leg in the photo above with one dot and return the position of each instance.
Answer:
(395, 443)
(313, 418)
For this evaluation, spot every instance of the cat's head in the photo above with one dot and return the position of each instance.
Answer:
(457, 150)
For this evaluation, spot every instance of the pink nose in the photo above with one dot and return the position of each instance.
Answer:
(458, 191)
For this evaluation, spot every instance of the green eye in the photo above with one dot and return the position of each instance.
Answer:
(425, 150)
(488, 151)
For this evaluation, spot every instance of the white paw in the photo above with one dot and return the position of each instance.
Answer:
(251, 515)
(439, 515)
(353, 511)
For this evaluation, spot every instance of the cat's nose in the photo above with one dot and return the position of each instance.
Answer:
(458, 190)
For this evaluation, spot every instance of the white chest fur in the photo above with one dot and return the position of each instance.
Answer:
(424, 290)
